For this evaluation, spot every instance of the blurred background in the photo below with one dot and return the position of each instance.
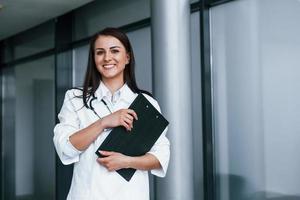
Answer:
(225, 72)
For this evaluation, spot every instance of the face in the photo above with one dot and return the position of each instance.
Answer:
(110, 58)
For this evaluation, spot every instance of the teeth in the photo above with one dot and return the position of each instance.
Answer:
(108, 66)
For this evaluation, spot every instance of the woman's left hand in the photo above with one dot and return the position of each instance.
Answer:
(114, 161)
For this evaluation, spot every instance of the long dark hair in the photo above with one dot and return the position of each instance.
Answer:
(93, 76)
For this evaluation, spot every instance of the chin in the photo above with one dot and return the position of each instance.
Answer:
(111, 76)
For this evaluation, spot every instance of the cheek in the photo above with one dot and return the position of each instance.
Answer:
(124, 60)
(97, 60)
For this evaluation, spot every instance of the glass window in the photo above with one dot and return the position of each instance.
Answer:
(100, 14)
(80, 62)
(28, 121)
(141, 45)
(255, 64)
(35, 40)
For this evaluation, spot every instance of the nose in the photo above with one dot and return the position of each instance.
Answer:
(107, 56)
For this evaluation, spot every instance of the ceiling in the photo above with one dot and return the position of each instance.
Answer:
(19, 15)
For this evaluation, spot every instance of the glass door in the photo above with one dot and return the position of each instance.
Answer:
(256, 83)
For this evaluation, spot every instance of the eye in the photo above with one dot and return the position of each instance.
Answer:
(115, 51)
(98, 53)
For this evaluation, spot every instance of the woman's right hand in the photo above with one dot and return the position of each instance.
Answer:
(122, 117)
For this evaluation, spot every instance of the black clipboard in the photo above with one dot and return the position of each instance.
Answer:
(145, 132)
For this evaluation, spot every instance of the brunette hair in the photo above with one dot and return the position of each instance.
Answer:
(93, 77)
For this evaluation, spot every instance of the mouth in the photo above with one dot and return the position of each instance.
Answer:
(108, 66)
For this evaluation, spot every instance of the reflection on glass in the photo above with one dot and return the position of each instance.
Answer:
(80, 62)
(8, 129)
(255, 56)
(38, 39)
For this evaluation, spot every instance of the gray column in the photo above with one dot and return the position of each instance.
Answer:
(172, 87)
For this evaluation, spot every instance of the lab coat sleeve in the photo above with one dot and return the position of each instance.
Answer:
(68, 124)
(161, 148)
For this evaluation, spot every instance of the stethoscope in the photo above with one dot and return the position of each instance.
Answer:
(93, 109)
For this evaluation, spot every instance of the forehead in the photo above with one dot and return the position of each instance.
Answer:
(104, 41)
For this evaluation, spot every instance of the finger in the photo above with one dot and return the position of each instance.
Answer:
(106, 153)
(128, 116)
(129, 122)
(131, 112)
(111, 169)
(102, 161)
(128, 128)
(99, 160)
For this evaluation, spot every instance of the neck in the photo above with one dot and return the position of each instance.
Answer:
(113, 85)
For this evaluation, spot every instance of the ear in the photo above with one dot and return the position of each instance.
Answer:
(127, 58)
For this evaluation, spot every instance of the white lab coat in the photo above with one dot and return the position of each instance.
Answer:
(92, 181)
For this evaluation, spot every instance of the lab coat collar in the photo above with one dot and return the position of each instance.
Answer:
(125, 93)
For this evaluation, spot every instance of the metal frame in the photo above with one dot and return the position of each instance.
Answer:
(8, 190)
(212, 3)
(207, 100)
(6, 193)
(206, 83)
(1, 97)
(63, 81)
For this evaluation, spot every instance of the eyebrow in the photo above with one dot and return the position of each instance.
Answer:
(113, 47)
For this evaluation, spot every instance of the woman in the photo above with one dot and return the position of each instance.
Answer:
(87, 116)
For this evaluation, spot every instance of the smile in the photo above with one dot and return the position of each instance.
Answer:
(109, 66)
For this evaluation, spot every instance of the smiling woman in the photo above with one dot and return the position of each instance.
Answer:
(110, 58)
(109, 88)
